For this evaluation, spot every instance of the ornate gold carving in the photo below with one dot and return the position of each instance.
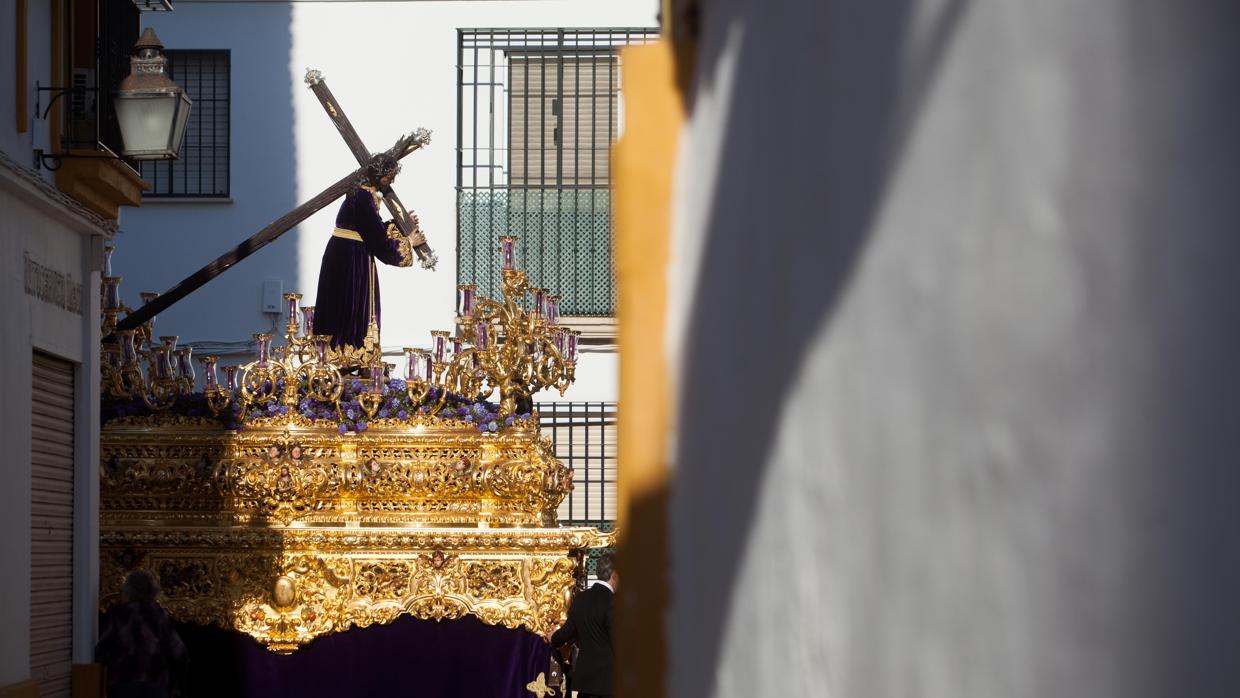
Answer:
(404, 245)
(294, 472)
(293, 585)
(286, 531)
(539, 686)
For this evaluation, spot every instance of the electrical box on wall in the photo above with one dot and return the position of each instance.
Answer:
(272, 291)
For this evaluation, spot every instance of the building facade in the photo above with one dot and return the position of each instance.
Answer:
(61, 192)
(523, 100)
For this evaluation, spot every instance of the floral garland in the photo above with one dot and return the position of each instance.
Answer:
(396, 405)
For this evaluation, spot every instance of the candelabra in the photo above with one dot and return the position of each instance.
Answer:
(302, 365)
(502, 347)
(169, 371)
(516, 352)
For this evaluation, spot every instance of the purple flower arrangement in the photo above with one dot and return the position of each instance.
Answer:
(395, 405)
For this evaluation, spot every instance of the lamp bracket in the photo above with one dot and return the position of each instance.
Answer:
(54, 161)
(59, 92)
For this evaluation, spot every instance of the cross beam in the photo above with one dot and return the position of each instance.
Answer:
(262, 238)
(400, 216)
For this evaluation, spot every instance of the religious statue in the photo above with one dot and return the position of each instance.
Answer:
(347, 302)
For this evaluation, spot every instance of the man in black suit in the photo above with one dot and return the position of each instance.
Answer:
(589, 625)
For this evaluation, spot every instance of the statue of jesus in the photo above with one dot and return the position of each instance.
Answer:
(347, 302)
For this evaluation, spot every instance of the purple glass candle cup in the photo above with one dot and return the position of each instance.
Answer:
(185, 367)
(573, 337)
(440, 339)
(467, 299)
(307, 320)
(540, 296)
(377, 382)
(230, 379)
(553, 309)
(209, 379)
(264, 349)
(163, 363)
(508, 253)
(290, 300)
(483, 332)
(321, 342)
(129, 351)
(111, 293)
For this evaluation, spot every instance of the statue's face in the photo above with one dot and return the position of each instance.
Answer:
(387, 180)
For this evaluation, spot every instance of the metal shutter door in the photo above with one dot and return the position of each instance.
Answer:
(51, 525)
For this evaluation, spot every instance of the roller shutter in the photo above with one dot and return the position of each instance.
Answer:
(51, 525)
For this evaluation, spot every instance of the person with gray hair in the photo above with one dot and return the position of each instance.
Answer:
(139, 648)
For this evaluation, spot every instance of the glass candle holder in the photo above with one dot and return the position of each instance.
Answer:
(377, 382)
(439, 340)
(321, 343)
(185, 367)
(483, 332)
(170, 343)
(467, 299)
(508, 251)
(558, 340)
(456, 347)
(573, 338)
(290, 301)
(107, 259)
(230, 379)
(540, 295)
(210, 381)
(307, 320)
(411, 364)
(128, 352)
(429, 368)
(264, 349)
(553, 309)
(111, 293)
(163, 363)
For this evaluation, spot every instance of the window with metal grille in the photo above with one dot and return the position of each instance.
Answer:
(202, 170)
(583, 435)
(538, 110)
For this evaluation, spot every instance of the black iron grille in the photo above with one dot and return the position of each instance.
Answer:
(537, 113)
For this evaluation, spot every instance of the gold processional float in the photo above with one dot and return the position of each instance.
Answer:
(311, 491)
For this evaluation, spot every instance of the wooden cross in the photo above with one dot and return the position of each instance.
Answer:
(334, 111)
(404, 146)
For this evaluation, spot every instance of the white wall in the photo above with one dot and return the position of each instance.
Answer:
(38, 226)
(20, 146)
(42, 226)
(392, 67)
(990, 450)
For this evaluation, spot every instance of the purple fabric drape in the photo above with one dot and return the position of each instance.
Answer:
(463, 658)
(342, 303)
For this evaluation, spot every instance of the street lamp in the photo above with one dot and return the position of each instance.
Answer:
(151, 108)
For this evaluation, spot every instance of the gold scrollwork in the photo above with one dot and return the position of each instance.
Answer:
(288, 531)
(287, 590)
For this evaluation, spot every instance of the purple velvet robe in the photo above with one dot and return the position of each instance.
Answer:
(348, 282)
